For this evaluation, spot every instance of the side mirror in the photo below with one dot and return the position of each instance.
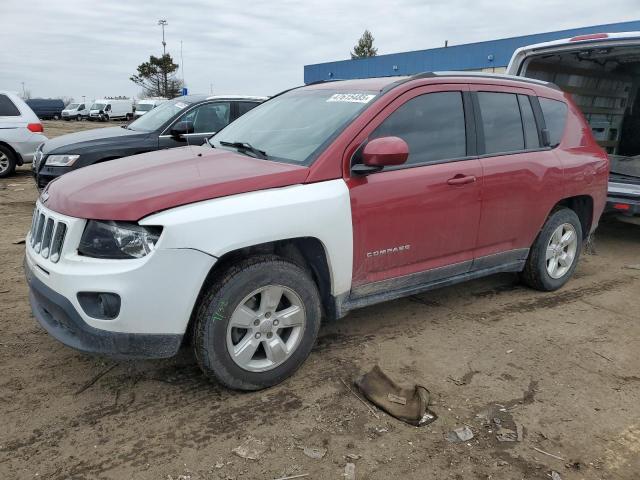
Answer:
(382, 152)
(182, 128)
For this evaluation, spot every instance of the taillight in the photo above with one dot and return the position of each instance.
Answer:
(622, 206)
(592, 36)
(35, 127)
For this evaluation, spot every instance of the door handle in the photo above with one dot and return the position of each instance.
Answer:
(461, 179)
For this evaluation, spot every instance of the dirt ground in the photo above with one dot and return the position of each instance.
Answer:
(564, 365)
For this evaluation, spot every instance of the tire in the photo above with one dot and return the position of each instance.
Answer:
(105, 118)
(539, 272)
(78, 118)
(215, 337)
(7, 162)
(128, 117)
(56, 117)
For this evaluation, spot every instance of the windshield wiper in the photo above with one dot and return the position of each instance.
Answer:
(246, 147)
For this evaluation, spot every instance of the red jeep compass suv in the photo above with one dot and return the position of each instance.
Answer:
(323, 199)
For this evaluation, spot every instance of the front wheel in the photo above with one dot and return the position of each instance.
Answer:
(554, 255)
(257, 324)
(79, 118)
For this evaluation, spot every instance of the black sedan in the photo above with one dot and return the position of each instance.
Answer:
(186, 120)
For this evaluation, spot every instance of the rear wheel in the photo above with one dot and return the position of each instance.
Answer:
(7, 162)
(257, 324)
(78, 118)
(554, 255)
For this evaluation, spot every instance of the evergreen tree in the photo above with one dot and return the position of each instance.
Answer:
(364, 48)
(157, 77)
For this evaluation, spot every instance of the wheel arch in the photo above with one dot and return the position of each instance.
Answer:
(582, 205)
(309, 253)
(17, 156)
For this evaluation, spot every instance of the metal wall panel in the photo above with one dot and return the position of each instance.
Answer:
(472, 56)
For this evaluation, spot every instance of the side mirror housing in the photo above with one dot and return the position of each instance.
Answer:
(182, 128)
(382, 152)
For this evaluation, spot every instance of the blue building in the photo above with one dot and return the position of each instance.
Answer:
(493, 55)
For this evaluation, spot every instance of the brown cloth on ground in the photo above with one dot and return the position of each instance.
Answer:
(407, 404)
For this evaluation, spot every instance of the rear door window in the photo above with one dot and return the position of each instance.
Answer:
(555, 118)
(7, 108)
(431, 124)
(501, 122)
(531, 139)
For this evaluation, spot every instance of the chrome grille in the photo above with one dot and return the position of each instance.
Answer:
(47, 235)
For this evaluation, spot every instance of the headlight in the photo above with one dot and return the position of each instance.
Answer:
(107, 239)
(61, 160)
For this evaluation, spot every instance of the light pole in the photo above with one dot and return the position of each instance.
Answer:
(23, 91)
(163, 23)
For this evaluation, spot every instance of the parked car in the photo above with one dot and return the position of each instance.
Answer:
(20, 133)
(187, 120)
(602, 72)
(321, 200)
(75, 111)
(147, 105)
(106, 109)
(46, 108)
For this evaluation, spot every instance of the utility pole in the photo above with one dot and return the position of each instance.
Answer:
(24, 93)
(182, 64)
(163, 23)
(211, 88)
(83, 98)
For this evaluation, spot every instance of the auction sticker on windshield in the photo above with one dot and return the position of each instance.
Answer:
(351, 97)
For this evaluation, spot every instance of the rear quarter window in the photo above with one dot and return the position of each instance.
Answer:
(555, 118)
(7, 108)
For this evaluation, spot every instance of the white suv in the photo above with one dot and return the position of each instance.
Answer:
(20, 133)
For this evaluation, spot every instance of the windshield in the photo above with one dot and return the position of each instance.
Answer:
(158, 116)
(72, 106)
(144, 107)
(98, 106)
(295, 126)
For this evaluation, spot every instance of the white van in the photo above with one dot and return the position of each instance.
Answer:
(147, 105)
(602, 73)
(75, 111)
(105, 109)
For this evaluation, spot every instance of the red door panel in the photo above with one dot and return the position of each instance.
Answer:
(519, 191)
(415, 213)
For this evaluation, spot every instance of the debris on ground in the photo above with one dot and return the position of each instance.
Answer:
(555, 475)
(547, 453)
(461, 434)
(293, 476)
(314, 452)
(350, 471)
(501, 463)
(19, 241)
(352, 456)
(251, 449)
(633, 267)
(411, 405)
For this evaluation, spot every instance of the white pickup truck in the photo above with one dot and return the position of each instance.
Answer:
(602, 72)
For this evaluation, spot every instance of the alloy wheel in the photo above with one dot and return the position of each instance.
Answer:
(561, 250)
(266, 328)
(4, 162)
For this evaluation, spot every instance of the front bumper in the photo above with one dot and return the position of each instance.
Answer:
(158, 293)
(46, 174)
(57, 315)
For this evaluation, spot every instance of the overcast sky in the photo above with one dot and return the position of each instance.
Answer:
(78, 47)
